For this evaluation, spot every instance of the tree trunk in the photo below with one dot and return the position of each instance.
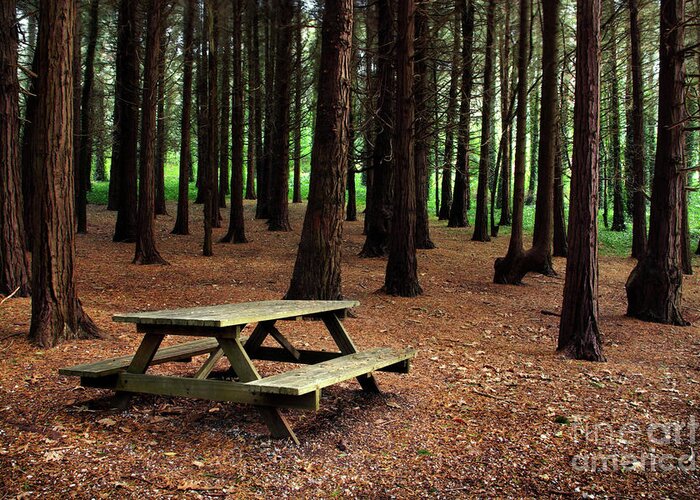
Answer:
(481, 218)
(379, 207)
(351, 208)
(639, 219)
(402, 268)
(226, 122)
(85, 152)
(254, 128)
(161, 134)
(236, 229)
(504, 267)
(202, 93)
(618, 222)
(263, 166)
(579, 337)
(210, 179)
(422, 125)
(146, 251)
(182, 220)
(80, 193)
(122, 180)
(57, 313)
(14, 264)
(446, 186)
(460, 197)
(318, 263)
(298, 91)
(560, 244)
(27, 157)
(279, 165)
(506, 123)
(654, 287)
(534, 141)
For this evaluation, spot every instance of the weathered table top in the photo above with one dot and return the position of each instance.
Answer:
(236, 314)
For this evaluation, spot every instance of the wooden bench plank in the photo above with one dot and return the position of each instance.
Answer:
(214, 390)
(309, 357)
(236, 314)
(311, 378)
(164, 355)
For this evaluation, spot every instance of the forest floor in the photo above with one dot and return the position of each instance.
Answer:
(489, 408)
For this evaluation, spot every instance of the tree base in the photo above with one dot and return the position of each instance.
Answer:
(402, 289)
(236, 236)
(150, 259)
(511, 269)
(654, 293)
(278, 226)
(50, 326)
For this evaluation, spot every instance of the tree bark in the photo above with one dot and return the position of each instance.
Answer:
(27, 157)
(298, 91)
(639, 219)
(86, 142)
(122, 180)
(317, 271)
(618, 222)
(226, 121)
(182, 220)
(402, 268)
(506, 123)
(460, 197)
(146, 252)
(481, 218)
(579, 336)
(451, 111)
(210, 179)
(57, 313)
(422, 125)
(254, 125)
(379, 207)
(236, 229)
(504, 267)
(279, 165)
(161, 133)
(654, 288)
(14, 264)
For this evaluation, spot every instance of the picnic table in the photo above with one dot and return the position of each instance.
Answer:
(219, 331)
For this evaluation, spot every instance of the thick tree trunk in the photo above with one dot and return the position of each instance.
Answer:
(422, 125)
(505, 271)
(80, 193)
(146, 251)
(481, 218)
(579, 337)
(182, 220)
(639, 220)
(236, 228)
(279, 165)
(86, 142)
(123, 174)
(379, 206)
(446, 185)
(402, 267)
(57, 313)
(254, 125)
(654, 288)
(14, 264)
(318, 263)
(460, 197)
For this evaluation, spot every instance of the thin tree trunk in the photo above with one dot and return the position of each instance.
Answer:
(639, 220)
(226, 121)
(211, 206)
(146, 251)
(57, 313)
(182, 220)
(317, 271)
(506, 123)
(14, 264)
(254, 117)
(654, 288)
(402, 268)
(27, 157)
(481, 219)
(262, 210)
(123, 174)
(236, 229)
(79, 191)
(86, 142)
(161, 146)
(461, 196)
(298, 91)
(618, 222)
(421, 127)
(579, 337)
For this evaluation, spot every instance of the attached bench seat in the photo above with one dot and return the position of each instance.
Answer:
(112, 366)
(311, 378)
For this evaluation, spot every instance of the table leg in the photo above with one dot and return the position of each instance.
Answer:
(347, 346)
(139, 364)
(262, 329)
(209, 364)
(237, 356)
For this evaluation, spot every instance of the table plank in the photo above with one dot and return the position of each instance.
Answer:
(236, 314)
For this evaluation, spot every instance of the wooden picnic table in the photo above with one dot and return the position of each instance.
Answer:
(220, 330)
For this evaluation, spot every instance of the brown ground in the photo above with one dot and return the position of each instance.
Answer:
(489, 408)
